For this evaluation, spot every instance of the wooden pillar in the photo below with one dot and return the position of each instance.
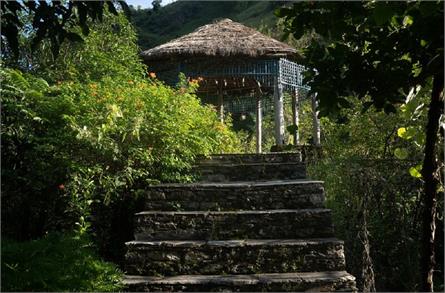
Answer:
(315, 120)
(259, 122)
(279, 113)
(220, 105)
(296, 116)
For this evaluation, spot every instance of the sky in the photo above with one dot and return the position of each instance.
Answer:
(146, 3)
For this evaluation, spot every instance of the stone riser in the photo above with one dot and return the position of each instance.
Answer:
(274, 224)
(251, 172)
(293, 282)
(250, 158)
(169, 258)
(297, 194)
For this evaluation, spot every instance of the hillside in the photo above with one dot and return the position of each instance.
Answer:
(182, 17)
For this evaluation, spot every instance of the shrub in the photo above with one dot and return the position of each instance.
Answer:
(374, 199)
(94, 135)
(56, 262)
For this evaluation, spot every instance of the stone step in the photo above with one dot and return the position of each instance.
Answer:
(214, 225)
(249, 158)
(170, 258)
(286, 282)
(248, 195)
(250, 171)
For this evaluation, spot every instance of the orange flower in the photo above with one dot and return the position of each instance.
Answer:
(152, 74)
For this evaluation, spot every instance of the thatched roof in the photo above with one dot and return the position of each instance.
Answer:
(224, 38)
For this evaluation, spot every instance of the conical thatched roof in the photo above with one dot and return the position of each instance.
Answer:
(222, 38)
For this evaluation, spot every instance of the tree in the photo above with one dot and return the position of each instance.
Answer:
(156, 4)
(378, 51)
(51, 20)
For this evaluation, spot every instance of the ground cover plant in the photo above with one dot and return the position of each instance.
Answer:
(57, 262)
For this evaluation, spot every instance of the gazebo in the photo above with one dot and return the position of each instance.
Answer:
(237, 67)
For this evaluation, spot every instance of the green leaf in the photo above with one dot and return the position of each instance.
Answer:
(408, 20)
(401, 153)
(406, 132)
(415, 171)
(401, 131)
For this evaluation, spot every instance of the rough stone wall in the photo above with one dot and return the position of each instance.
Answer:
(240, 196)
(234, 225)
(234, 257)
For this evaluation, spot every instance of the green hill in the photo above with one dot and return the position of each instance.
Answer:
(182, 17)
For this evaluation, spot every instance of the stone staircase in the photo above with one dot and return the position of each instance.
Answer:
(253, 223)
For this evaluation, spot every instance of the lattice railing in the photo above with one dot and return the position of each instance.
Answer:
(291, 74)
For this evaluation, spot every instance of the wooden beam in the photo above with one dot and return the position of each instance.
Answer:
(259, 122)
(315, 120)
(220, 105)
(296, 116)
(279, 113)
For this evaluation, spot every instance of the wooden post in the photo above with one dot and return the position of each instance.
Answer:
(221, 105)
(296, 121)
(279, 113)
(296, 116)
(316, 121)
(259, 122)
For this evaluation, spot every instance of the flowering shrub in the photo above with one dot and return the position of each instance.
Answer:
(93, 128)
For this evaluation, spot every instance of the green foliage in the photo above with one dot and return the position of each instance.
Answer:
(365, 167)
(133, 132)
(34, 162)
(390, 197)
(374, 50)
(56, 262)
(109, 50)
(50, 21)
(100, 131)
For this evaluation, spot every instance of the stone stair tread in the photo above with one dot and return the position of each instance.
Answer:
(275, 282)
(258, 183)
(248, 279)
(259, 212)
(235, 164)
(235, 243)
(264, 157)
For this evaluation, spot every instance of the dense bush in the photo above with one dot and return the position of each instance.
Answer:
(56, 263)
(374, 196)
(81, 134)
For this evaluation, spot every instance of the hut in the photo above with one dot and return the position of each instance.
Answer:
(239, 67)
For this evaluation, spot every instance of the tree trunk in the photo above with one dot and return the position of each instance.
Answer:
(430, 196)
